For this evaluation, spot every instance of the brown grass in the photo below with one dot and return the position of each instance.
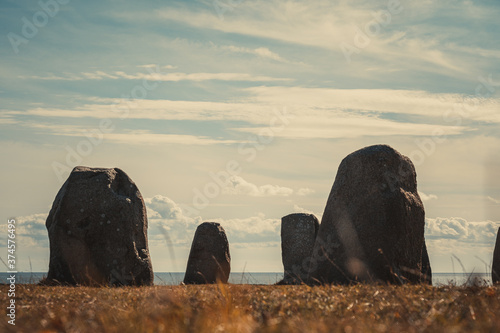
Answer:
(247, 308)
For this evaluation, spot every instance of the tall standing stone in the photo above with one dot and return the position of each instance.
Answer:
(209, 260)
(373, 225)
(298, 234)
(98, 231)
(495, 274)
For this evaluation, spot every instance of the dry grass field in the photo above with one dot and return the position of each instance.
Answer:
(250, 308)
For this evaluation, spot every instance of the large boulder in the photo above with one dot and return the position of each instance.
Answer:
(209, 260)
(495, 269)
(373, 224)
(298, 234)
(98, 231)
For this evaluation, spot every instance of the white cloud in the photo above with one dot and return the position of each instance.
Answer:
(153, 66)
(163, 207)
(256, 229)
(445, 107)
(494, 200)
(171, 77)
(7, 121)
(30, 231)
(263, 52)
(133, 137)
(326, 25)
(298, 209)
(170, 219)
(239, 186)
(459, 229)
(145, 137)
(305, 191)
(320, 24)
(332, 105)
(316, 112)
(168, 223)
(427, 197)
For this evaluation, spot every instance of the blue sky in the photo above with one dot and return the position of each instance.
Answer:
(173, 92)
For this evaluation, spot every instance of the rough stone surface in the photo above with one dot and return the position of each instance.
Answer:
(373, 224)
(98, 231)
(426, 266)
(495, 274)
(298, 234)
(209, 260)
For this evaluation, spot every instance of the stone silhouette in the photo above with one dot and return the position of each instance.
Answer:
(426, 276)
(298, 234)
(209, 260)
(98, 231)
(373, 224)
(495, 269)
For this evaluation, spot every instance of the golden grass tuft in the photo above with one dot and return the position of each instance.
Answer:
(250, 308)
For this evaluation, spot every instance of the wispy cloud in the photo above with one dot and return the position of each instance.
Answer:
(325, 25)
(239, 186)
(129, 137)
(496, 201)
(147, 138)
(262, 52)
(171, 77)
(317, 112)
(446, 108)
(427, 197)
(7, 120)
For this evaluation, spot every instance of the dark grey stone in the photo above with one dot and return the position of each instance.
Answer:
(98, 231)
(426, 266)
(209, 260)
(298, 234)
(373, 225)
(495, 269)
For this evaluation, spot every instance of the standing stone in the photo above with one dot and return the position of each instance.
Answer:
(495, 274)
(373, 225)
(298, 234)
(209, 260)
(98, 231)
(426, 276)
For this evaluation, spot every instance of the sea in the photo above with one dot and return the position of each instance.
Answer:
(169, 279)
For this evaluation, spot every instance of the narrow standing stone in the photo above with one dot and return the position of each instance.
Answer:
(209, 260)
(298, 234)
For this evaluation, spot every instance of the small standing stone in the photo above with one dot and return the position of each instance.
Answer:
(86, 250)
(209, 260)
(298, 234)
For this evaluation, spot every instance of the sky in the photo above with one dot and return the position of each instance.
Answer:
(240, 112)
